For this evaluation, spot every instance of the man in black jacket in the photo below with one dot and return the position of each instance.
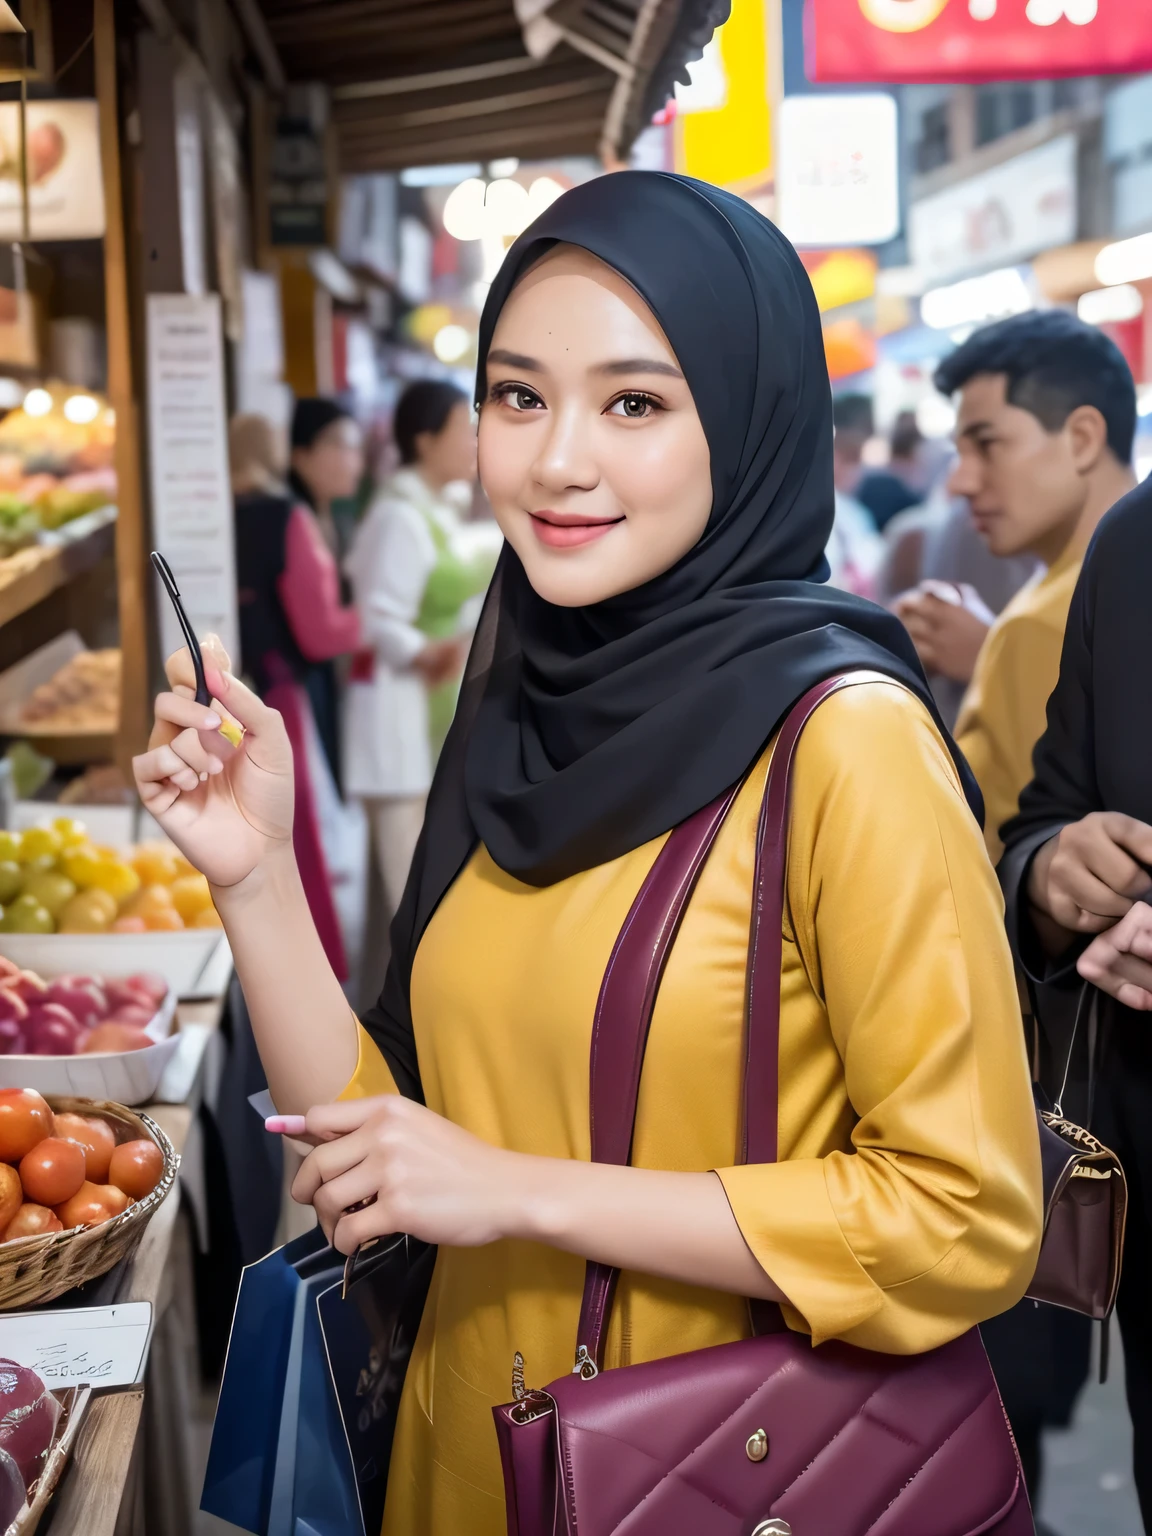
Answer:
(1077, 877)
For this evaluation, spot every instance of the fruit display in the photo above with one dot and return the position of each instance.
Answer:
(75, 1015)
(59, 1172)
(83, 696)
(28, 1418)
(53, 879)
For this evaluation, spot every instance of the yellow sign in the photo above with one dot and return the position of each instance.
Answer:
(730, 145)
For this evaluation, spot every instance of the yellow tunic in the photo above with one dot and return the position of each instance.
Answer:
(906, 1205)
(1003, 713)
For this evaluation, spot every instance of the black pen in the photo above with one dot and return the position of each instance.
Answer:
(164, 571)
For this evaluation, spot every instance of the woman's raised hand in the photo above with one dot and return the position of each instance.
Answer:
(226, 808)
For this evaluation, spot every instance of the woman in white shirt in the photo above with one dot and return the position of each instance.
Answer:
(418, 572)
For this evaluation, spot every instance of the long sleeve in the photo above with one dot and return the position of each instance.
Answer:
(389, 567)
(932, 1223)
(309, 589)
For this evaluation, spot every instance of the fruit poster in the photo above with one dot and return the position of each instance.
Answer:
(960, 40)
(65, 186)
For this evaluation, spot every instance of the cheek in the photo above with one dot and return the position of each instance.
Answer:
(503, 460)
(663, 481)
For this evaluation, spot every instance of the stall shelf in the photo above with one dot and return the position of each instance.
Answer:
(91, 1499)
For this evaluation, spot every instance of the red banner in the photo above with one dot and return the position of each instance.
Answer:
(894, 41)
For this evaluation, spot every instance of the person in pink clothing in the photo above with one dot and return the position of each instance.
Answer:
(292, 620)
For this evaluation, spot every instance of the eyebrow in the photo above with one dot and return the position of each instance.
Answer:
(625, 365)
(976, 426)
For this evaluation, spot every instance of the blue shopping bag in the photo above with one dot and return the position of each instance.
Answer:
(311, 1387)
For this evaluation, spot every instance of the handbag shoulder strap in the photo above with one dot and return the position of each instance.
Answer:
(632, 979)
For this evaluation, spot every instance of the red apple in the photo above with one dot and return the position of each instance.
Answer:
(26, 985)
(131, 1013)
(83, 1000)
(52, 1031)
(12, 1007)
(151, 983)
(121, 993)
(13, 1041)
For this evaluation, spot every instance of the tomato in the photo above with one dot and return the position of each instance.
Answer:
(11, 1195)
(32, 1221)
(53, 1171)
(25, 1119)
(88, 1207)
(97, 1138)
(115, 1199)
(137, 1167)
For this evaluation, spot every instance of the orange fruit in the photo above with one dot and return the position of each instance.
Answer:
(129, 925)
(209, 918)
(149, 900)
(190, 896)
(156, 864)
(167, 920)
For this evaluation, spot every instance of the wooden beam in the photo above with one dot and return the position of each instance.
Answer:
(133, 590)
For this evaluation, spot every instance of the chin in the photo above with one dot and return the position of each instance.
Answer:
(563, 584)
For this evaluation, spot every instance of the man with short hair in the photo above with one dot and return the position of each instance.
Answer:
(1046, 415)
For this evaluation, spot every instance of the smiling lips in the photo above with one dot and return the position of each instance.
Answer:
(565, 532)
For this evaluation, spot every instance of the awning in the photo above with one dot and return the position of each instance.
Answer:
(421, 82)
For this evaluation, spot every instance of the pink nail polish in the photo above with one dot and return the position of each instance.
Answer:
(286, 1125)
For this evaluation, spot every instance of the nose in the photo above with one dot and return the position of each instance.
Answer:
(964, 479)
(565, 461)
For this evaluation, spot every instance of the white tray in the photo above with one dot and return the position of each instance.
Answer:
(181, 958)
(127, 1077)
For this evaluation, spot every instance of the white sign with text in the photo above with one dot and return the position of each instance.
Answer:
(99, 1346)
(188, 450)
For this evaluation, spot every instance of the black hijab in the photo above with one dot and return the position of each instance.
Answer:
(583, 733)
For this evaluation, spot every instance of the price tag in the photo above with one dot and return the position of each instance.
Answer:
(102, 1346)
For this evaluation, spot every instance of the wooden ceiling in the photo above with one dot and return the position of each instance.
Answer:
(421, 82)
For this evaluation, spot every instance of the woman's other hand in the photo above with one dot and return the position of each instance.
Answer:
(441, 661)
(226, 808)
(423, 1174)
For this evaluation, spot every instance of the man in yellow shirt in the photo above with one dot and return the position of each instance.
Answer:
(1046, 414)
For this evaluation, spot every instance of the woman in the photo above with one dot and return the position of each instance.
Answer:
(655, 440)
(291, 619)
(327, 463)
(416, 569)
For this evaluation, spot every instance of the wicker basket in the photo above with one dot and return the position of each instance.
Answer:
(34, 1270)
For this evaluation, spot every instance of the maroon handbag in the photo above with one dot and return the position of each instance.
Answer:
(767, 1436)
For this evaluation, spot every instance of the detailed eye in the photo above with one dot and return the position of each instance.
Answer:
(517, 397)
(634, 407)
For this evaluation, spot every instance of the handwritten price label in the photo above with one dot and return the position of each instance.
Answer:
(100, 1346)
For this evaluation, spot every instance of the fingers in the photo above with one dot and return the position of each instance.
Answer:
(327, 1120)
(1136, 837)
(161, 765)
(336, 1196)
(327, 1162)
(181, 709)
(355, 1228)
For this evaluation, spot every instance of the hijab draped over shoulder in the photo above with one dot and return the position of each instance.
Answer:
(583, 733)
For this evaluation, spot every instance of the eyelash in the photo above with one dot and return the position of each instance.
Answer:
(505, 391)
